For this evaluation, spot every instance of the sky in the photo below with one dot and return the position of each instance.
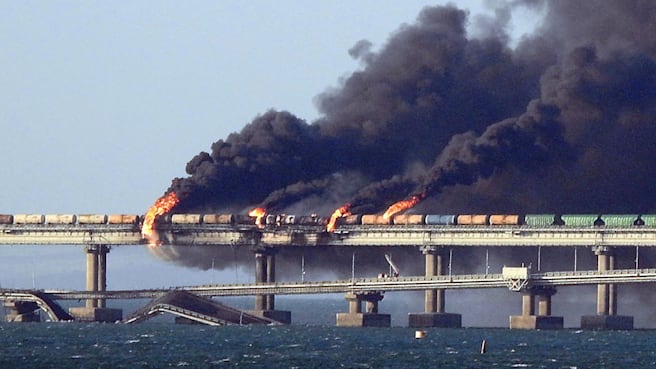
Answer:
(103, 103)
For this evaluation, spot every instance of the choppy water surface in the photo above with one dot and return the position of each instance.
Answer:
(165, 345)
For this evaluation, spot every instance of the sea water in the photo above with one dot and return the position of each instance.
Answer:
(312, 341)
(168, 345)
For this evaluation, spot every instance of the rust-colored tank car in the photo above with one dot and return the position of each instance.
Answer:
(217, 219)
(186, 218)
(375, 219)
(472, 219)
(355, 219)
(409, 219)
(92, 219)
(29, 218)
(60, 218)
(123, 219)
(6, 219)
(506, 219)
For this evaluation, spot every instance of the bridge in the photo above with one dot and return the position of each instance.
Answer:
(170, 299)
(363, 285)
(346, 236)
(431, 240)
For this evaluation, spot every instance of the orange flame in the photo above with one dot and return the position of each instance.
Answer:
(343, 211)
(258, 214)
(402, 205)
(162, 206)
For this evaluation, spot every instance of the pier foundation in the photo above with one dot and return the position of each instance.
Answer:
(265, 272)
(370, 317)
(21, 311)
(543, 319)
(95, 310)
(606, 317)
(434, 314)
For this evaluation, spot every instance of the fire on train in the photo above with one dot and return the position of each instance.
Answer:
(276, 220)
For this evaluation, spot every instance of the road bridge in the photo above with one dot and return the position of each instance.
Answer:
(362, 285)
(358, 287)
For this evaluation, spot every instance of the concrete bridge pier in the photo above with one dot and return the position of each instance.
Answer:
(370, 318)
(21, 311)
(434, 302)
(95, 310)
(606, 317)
(543, 319)
(265, 272)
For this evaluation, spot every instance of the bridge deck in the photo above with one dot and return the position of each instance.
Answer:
(195, 308)
(471, 281)
(347, 236)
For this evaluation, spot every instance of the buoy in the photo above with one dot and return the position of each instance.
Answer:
(483, 348)
(420, 334)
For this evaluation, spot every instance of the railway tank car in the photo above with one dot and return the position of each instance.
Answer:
(6, 219)
(409, 219)
(368, 220)
(92, 219)
(218, 219)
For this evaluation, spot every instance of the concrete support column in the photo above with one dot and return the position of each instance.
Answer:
(544, 305)
(603, 296)
(371, 307)
(528, 303)
(370, 318)
(271, 277)
(543, 319)
(265, 272)
(430, 298)
(371, 301)
(260, 277)
(441, 302)
(612, 289)
(95, 310)
(434, 299)
(92, 274)
(354, 302)
(102, 272)
(606, 317)
(544, 299)
(434, 314)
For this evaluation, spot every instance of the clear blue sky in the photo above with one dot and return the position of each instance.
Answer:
(102, 103)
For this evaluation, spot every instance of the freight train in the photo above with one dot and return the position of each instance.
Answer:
(70, 219)
(533, 220)
(276, 220)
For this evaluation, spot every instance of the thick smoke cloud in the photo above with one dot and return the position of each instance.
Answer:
(562, 122)
(428, 83)
(437, 108)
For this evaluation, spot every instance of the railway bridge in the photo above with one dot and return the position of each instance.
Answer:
(433, 241)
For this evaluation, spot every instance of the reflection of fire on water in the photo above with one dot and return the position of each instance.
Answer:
(162, 206)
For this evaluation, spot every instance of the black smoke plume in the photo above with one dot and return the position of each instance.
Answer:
(562, 122)
(437, 108)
